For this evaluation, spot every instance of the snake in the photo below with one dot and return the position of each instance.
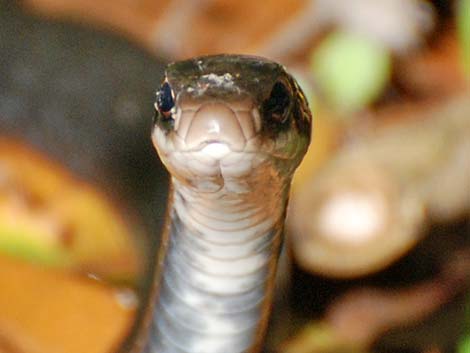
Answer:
(231, 131)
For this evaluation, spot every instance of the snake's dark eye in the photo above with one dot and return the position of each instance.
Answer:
(164, 106)
(278, 104)
(165, 99)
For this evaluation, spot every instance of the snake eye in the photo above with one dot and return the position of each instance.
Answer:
(278, 104)
(165, 100)
(164, 106)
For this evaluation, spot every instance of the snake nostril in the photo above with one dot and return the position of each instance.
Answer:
(215, 122)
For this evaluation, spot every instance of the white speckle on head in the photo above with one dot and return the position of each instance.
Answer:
(225, 80)
(228, 76)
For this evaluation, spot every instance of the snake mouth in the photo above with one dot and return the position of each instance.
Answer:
(215, 149)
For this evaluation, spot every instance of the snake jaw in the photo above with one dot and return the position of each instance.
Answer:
(204, 161)
(213, 165)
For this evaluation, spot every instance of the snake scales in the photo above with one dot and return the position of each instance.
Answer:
(231, 130)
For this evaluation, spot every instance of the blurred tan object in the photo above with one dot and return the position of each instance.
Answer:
(353, 221)
(273, 28)
(44, 311)
(359, 317)
(373, 201)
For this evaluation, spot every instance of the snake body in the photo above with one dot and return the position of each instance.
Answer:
(231, 131)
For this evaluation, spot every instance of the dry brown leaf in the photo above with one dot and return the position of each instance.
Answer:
(45, 311)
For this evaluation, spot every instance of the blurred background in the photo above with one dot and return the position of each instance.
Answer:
(378, 230)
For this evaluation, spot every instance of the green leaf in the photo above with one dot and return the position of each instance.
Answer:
(463, 28)
(21, 244)
(351, 71)
(464, 345)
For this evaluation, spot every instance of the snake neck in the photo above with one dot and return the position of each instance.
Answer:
(218, 270)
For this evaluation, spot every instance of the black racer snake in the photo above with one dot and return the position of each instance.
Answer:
(231, 130)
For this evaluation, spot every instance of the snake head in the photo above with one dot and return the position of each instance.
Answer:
(229, 117)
